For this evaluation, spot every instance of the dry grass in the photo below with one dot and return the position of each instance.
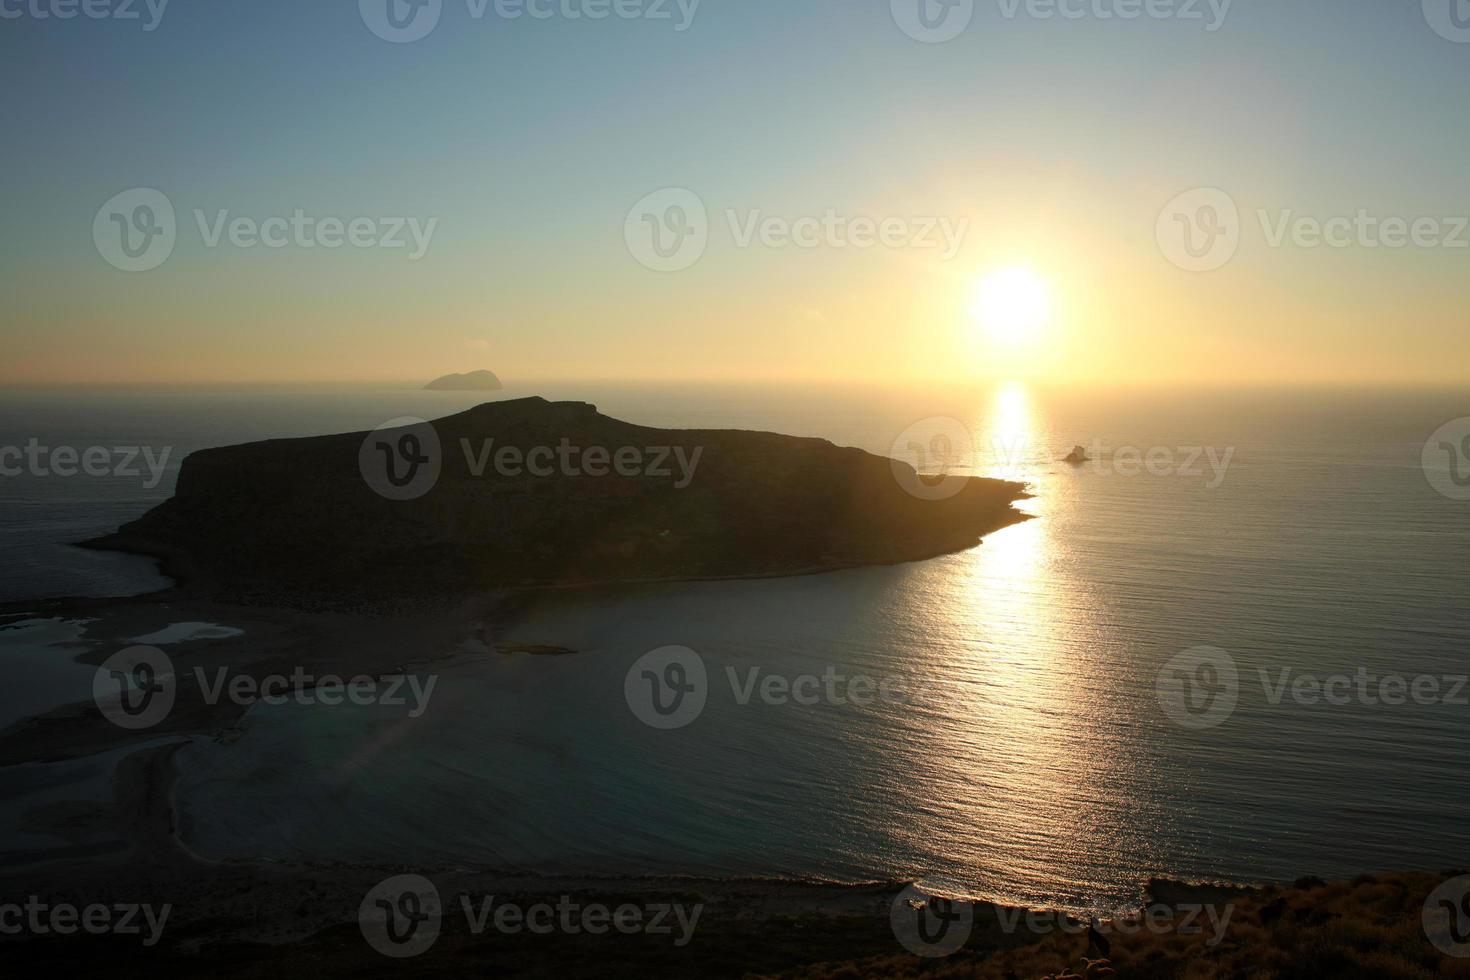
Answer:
(1370, 928)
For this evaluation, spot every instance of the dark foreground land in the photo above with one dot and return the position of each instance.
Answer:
(258, 921)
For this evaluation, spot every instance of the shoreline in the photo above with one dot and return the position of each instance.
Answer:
(261, 915)
(180, 589)
(146, 819)
(257, 918)
(268, 640)
(273, 638)
(170, 564)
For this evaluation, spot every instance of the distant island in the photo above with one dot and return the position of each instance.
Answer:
(473, 381)
(295, 521)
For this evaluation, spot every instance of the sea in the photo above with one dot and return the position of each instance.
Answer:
(1231, 645)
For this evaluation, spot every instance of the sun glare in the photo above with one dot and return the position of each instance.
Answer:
(1012, 304)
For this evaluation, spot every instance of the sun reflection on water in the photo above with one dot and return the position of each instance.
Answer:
(1007, 434)
(1032, 741)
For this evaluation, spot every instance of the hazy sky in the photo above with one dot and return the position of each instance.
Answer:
(1055, 144)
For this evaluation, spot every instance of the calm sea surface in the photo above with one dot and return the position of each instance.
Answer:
(1028, 756)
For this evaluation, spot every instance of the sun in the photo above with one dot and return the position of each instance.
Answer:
(1013, 304)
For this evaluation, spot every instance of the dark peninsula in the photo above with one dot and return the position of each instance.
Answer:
(535, 493)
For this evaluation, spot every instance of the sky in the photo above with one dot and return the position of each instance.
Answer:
(830, 185)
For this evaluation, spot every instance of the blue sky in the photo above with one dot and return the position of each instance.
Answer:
(529, 140)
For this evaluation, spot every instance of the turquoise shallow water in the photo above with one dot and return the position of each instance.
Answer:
(1031, 758)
